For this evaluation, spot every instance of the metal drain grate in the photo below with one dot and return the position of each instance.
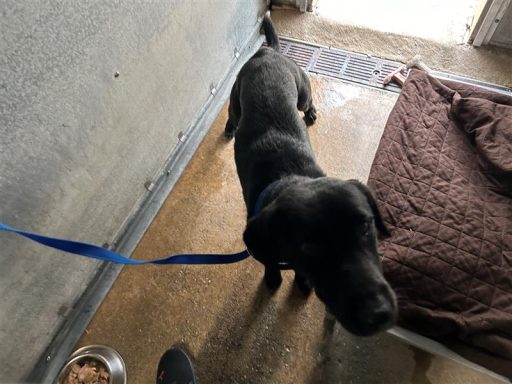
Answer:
(361, 69)
(303, 55)
(349, 66)
(330, 63)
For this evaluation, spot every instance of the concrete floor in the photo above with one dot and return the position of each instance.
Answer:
(439, 20)
(234, 329)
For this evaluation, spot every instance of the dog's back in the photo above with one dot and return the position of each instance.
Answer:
(269, 83)
(271, 137)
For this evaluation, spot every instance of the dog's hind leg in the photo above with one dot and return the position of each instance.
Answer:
(234, 111)
(305, 101)
(310, 115)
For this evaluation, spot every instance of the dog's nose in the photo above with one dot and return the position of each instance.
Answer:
(381, 317)
(380, 310)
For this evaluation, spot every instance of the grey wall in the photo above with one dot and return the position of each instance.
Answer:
(77, 144)
(503, 35)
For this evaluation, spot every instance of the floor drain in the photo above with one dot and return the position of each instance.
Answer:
(345, 65)
(359, 68)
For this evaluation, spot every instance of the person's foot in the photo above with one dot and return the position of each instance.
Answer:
(175, 367)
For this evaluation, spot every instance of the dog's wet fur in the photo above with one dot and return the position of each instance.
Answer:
(326, 229)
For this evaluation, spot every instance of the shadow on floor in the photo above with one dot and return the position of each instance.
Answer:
(249, 348)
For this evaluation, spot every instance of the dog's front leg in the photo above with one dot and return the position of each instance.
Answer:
(273, 277)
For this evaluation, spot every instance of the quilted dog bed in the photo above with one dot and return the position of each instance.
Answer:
(442, 176)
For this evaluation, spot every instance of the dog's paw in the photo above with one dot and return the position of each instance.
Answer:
(303, 284)
(273, 279)
(310, 116)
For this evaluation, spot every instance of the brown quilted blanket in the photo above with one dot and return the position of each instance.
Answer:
(443, 179)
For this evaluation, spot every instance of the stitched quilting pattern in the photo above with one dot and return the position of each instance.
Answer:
(449, 258)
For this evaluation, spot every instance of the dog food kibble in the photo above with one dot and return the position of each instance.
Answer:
(88, 372)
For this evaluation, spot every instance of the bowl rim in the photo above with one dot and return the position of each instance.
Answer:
(88, 355)
(96, 346)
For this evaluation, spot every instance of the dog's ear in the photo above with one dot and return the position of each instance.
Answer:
(261, 235)
(379, 223)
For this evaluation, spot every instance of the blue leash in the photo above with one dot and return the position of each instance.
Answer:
(95, 252)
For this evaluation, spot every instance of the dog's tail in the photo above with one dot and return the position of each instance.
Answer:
(270, 32)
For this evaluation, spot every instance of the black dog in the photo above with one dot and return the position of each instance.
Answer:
(323, 228)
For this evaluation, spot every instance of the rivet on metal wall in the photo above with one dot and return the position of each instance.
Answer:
(237, 53)
(149, 185)
(213, 90)
(181, 136)
(116, 74)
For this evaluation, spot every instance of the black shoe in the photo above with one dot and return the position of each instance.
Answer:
(175, 367)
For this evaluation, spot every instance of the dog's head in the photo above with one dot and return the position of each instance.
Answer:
(327, 230)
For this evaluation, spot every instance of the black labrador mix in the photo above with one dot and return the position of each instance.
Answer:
(324, 228)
